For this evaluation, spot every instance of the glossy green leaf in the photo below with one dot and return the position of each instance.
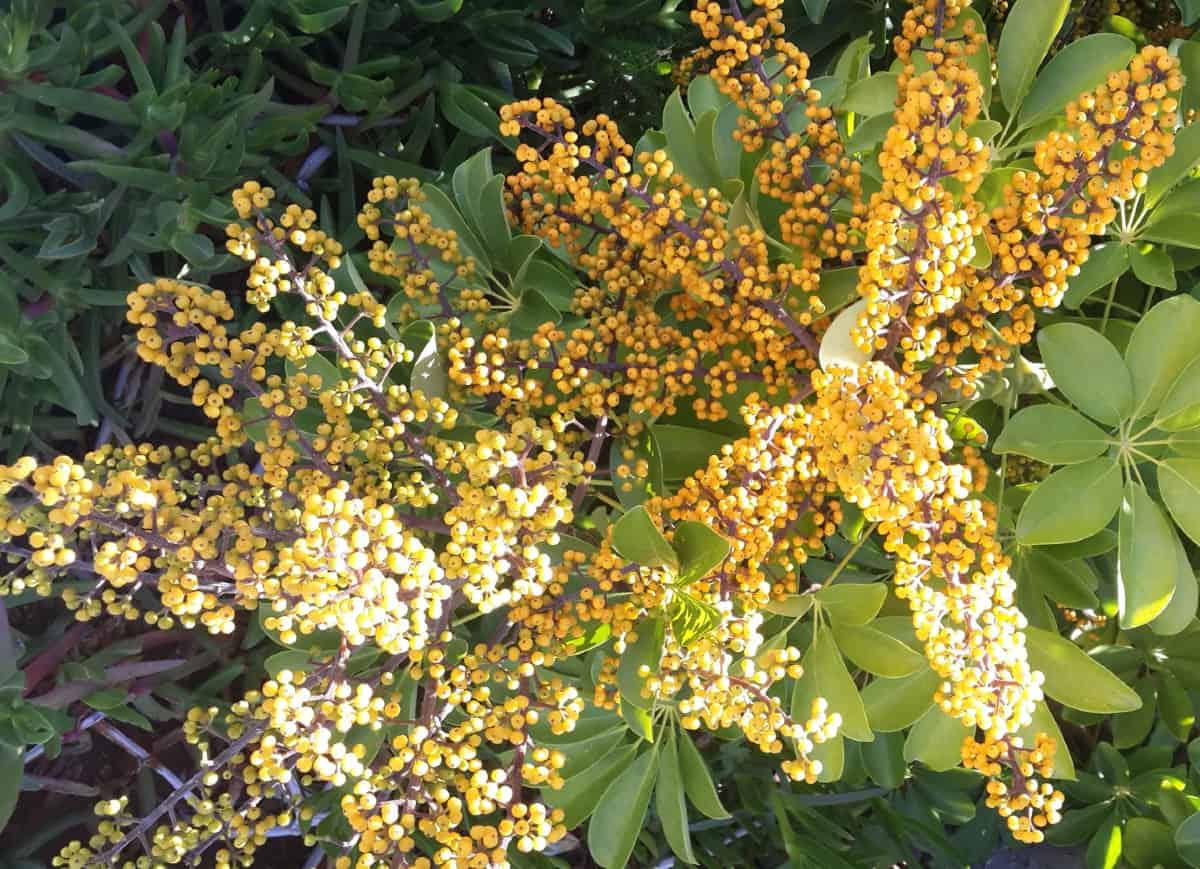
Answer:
(1043, 721)
(580, 795)
(427, 371)
(670, 803)
(691, 617)
(1153, 266)
(1071, 504)
(1105, 263)
(936, 740)
(1175, 705)
(1052, 434)
(637, 539)
(681, 143)
(444, 214)
(1176, 167)
(617, 819)
(793, 606)
(1104, 851)
(1029, 30)
(645, 651)
(1088, 370)
(852, 603)
(816, 9)
(697, 780)
(1073, 678)
(686, 450)
(637, 473)
(838, 346)
(1070, 583)
(639, 720)
(1162, 345)
(875, 95)
(1177, 229)
(825, 676)
(893, 704)
(1180, 409)
(1187, 840)
(700, 550)
(876, 652)
(1179, 485)
(1181, 611)
(1146, 564)
(1148, 843)
(883, 759)
(1078, 68)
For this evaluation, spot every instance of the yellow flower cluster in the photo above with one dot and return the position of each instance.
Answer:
(421, 544)
(1026, 804)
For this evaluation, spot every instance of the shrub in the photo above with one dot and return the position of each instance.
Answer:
(635, 445)
(125, 124)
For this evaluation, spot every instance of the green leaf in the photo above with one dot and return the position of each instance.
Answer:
(691, 618)
(1180, 409)
(1153, 266)
(1088, 370)
(581, 793)
(670, 803)
(893, 704)
(1105, 263)
(1162, 345)
(290, 659)
(852, 603)
(837, 344)
(793, 606)
(1176, 167)
(637, 539)
(618, 817)
(815, 9)
(1146, 566)
(1104, 851)
(1179, 485)
(875, 95)
(1043, 721)
(427, 371)
(68, 391)
(825, 676)
(1070, 583)
(645, 651)
(1175, 705)
(682, 146)
(1052, 434)
(1028, 32)
(936, 740)
(1078, 68)
(876, 652)
(700, 549)
(1074, 679)
(1181, 610)
(639, 720)
(697, 780)
(1148, 844)
(1071, 504)
(443, 213)
(1177, 229)
(12, 766)
(1187, 840)
(686, 450)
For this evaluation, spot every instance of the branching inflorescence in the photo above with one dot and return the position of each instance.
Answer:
(366, 520)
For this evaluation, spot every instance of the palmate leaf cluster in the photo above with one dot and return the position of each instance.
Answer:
(1101, 521)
